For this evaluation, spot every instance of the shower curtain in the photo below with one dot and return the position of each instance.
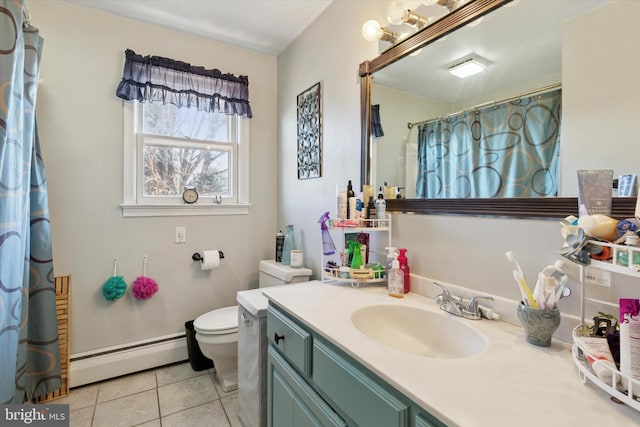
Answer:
(510, 149)
(29, 353)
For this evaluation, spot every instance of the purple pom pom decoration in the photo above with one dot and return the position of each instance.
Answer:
(144, 287)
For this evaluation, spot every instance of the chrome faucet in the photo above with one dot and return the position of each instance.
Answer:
(456, 305)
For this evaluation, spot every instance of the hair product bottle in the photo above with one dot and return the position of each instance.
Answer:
(279, 246)
(351, 201)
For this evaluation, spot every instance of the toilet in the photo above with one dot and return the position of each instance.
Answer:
(217, 330)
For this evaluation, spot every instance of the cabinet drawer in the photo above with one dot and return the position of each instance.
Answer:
(366, 403)
(292, 341)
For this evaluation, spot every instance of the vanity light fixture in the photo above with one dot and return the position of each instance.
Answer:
(467, 67)
(451, 5)
(398, 14)
(372, 31)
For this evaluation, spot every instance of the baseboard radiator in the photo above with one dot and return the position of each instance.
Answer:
(106, 363)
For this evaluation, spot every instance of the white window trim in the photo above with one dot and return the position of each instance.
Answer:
(131, 207)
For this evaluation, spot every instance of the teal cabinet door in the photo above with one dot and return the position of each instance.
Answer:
(365, 402)
(291, 401)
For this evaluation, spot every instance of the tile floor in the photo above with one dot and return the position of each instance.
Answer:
(173, 395)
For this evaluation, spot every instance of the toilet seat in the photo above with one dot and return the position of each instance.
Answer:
(218, 322)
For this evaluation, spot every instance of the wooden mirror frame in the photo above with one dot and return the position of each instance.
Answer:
(534, 208)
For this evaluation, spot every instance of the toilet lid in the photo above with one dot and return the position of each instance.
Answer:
(221, 321)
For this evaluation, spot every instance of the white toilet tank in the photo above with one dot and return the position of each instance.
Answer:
(275, 273)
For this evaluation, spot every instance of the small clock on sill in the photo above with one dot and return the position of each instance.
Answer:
(190, 195)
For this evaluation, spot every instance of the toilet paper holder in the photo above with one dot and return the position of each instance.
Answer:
(198, 257)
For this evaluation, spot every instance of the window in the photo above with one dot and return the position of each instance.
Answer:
(169, 149)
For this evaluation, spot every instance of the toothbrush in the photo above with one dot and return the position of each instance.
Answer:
(525, 292)
(561, 286)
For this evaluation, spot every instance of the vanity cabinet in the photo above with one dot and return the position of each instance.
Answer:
(312, 382)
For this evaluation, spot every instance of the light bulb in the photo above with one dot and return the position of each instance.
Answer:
(396, 13)
(476, 22)
(371, 30)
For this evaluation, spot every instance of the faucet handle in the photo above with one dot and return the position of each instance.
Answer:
(445, 291)
(472, 311)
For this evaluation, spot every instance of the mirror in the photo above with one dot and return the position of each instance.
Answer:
(446, 40)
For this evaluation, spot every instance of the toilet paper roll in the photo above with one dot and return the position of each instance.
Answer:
(210, 259)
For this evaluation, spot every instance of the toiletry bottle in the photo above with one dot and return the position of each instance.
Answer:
(328, 247)
(404, 266)
(342, 204)
(371, 212)
(351, 201)
(381, 207)
(279, 246)
(356, 255)
(289, 245)
(395, 285)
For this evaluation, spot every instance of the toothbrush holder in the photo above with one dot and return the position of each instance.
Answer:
(539, 325)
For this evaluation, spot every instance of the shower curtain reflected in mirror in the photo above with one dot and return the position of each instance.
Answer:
(509, 149)
(29, 353)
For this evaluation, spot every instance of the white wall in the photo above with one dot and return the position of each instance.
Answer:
(397, 109)
(601, 89)
(80, 123)
(466, 251)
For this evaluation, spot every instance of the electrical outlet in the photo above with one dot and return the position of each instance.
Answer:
(596, 276)
(181, 234)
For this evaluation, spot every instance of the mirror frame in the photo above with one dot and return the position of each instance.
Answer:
(532, 208)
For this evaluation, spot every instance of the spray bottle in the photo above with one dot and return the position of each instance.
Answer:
(328, 248)
(354, 249)
(404, 267)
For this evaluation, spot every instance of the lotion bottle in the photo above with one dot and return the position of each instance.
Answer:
(395, 286)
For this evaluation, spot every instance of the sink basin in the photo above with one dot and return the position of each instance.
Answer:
(418, 331)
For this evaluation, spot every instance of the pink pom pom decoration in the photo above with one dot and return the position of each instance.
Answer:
(144, 287)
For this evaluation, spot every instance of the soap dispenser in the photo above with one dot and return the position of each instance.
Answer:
(395, 285)
(391, 254)
(404, 267)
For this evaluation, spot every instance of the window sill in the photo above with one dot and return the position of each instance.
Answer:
(132, 210)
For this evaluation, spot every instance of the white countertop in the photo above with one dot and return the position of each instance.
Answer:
(510, 383)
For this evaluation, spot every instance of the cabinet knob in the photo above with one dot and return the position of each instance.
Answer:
(277, 338)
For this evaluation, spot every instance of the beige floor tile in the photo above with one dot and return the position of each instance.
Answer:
(154, 423)
(81, 417)
(229, 403)
(127, 411)
(127, 385)
(219, 389)
(174, 373)
(81, 397)
(210, 415)
(186, 394)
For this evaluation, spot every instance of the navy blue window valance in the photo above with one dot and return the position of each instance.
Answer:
(154, 78)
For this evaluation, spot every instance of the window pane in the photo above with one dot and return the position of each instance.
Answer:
(169, 120)
(169, 170)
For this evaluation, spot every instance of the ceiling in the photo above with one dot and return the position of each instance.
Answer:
(266, 26)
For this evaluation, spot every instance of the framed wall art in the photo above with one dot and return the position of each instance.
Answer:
(310, 133)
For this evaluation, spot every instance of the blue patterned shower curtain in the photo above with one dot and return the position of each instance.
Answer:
(505, 150)
(29, 353)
